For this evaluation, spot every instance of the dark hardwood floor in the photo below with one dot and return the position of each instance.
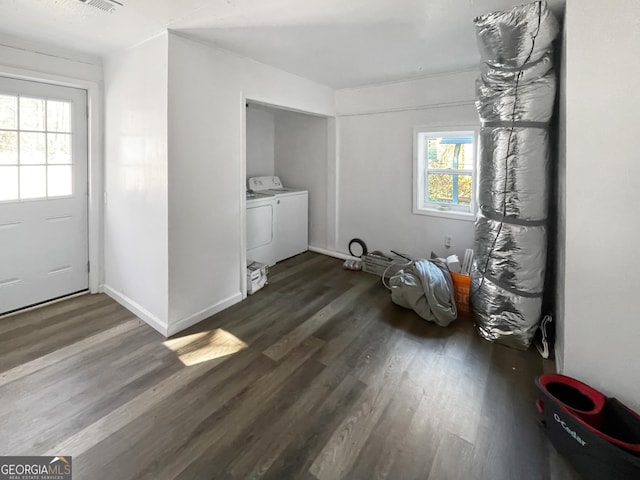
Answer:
(317, 376)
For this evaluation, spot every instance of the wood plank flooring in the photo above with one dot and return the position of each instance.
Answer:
(317, 376)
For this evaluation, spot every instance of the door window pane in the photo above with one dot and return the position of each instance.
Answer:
(8, 111)
(33, 182)
(32, 113)
(58, 116)
(35, 148)
(59, 181)
(8, 183)
(59, 148)
(32, 148)
(8, 148)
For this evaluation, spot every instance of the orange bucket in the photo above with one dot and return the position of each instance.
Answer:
(461, 289)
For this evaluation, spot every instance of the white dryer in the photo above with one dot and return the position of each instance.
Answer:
(260, 228)
(291, 222)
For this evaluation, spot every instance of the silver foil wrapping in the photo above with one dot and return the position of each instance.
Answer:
(515, 96)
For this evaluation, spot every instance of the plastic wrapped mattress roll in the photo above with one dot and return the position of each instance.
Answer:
(533, 102)
(526, 197)
(515, 95)
(511, 39)
(507, 314)
(515, 256)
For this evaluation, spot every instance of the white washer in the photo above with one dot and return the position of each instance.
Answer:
(291, 223)
(260, 228)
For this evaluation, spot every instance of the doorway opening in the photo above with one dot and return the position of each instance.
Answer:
(286, 173)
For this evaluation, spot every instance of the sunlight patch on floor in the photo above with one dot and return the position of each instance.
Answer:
(204, 346)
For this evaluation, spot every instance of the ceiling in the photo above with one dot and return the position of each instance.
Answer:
(339, 43)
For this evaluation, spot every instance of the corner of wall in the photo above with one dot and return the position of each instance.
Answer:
(178, 325)
(135, 181)
(560, 226)
(138, 310)
(333, 153)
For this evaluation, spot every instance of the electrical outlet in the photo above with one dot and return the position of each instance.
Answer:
(448, 240)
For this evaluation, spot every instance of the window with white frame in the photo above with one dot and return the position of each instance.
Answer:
(444, 171)
(35, 148)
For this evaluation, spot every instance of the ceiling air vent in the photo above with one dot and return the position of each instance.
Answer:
(104, 5)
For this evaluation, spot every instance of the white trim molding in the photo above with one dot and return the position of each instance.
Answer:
(332, 253)
(418, 178)
(95, 161)
(137, 309)
(179, 325)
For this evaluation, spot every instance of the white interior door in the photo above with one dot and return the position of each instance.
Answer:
(43, 192)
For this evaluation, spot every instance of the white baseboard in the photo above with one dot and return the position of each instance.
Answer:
(159, 325)
(178, 326)
(136, 309)
(332, 253)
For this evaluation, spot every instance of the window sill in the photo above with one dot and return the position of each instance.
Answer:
(451, 214)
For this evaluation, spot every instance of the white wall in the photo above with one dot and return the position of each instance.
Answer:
(208, 88)
(332, 183)
(375, 163)
(301, 161)
(136, 249)
(446, 89)
(260, 141)
(17, 53)
(602, 222)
